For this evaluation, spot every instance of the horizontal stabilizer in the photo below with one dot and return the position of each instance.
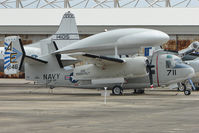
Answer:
(32, 60)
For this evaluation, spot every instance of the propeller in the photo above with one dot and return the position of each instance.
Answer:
(148, 68)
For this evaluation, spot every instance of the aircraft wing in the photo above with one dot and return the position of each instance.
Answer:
(67, 60)
(97, 59)
(32, 60)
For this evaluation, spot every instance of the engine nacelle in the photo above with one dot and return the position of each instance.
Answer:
(133, 67)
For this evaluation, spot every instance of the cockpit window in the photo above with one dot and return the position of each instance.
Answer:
(168, 64)
(178, 61)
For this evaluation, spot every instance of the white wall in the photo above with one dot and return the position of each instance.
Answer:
(117, 16)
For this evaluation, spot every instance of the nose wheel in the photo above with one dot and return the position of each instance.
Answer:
(187, 92)
(117, 90)
(187, 88)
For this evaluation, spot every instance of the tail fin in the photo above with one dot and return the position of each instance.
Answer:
(67, 32)
(14, 55)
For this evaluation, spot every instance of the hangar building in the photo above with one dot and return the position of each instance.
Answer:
(34, 20)
(182, 24)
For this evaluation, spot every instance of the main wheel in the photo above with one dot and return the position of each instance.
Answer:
(117, 90)
(187, 92)
(51, 87)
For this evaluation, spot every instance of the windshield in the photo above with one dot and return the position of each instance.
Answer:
(179, 61)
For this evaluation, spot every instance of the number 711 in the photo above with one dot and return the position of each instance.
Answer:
(171, 72)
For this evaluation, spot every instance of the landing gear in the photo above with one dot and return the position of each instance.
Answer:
(181, 87)
(187, 88)
(138, 91)
(51, 89)
(187, 92)
(117, 90)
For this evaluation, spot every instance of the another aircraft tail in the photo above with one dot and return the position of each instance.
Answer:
(67, 32)
(14, 55)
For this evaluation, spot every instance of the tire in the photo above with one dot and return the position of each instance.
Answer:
(187, 92)
(51, 87)
(117, 90)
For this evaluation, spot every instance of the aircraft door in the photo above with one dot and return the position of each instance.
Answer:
(165, 70)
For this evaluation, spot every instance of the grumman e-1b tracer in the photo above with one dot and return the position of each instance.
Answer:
(101, 70)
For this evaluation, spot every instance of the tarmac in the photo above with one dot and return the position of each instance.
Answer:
(26, 108)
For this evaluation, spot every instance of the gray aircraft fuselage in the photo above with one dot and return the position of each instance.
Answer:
(168, 69)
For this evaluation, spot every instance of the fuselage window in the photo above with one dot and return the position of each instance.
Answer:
(168, 64)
